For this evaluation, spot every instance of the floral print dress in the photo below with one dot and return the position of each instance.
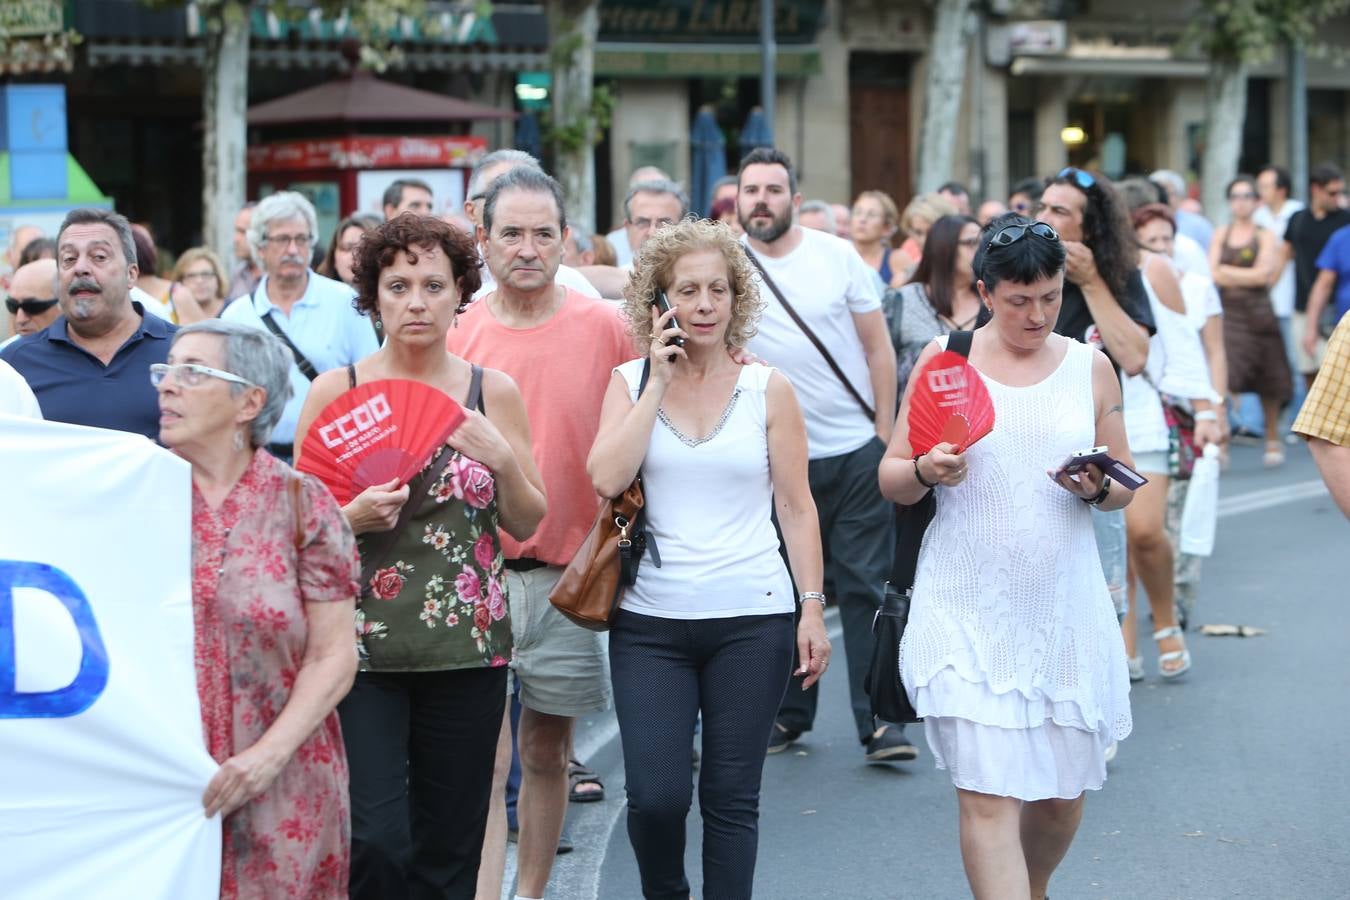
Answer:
(277, 542)
(437, 597)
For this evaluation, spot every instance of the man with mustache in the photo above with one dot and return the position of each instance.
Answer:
(849, 416)
(312, 314)
(91, 365)
(560, 347)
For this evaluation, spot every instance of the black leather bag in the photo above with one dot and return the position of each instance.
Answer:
(889, 700)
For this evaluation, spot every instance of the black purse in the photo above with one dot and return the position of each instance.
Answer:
(889, 700)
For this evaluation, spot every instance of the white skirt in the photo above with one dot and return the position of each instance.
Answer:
(1039, 763)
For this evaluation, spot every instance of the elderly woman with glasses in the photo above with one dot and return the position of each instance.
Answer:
(1012, 654)
(274, 584)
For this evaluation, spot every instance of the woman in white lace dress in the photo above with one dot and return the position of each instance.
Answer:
(1012, 654)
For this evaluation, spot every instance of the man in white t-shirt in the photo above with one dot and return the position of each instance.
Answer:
(849, 417)
(1273, 184)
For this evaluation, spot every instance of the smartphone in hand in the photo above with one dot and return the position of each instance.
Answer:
(663, 306)
(1099, 457)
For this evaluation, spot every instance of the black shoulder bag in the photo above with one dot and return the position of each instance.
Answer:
(890, 702)
(301, 361)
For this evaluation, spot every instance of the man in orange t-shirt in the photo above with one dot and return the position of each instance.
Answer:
(560, 347)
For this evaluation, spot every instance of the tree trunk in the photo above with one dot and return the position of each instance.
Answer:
(942, 94)
(573, 25)
(224, 105)
(1227, 104)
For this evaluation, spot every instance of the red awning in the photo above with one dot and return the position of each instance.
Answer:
(365, 98)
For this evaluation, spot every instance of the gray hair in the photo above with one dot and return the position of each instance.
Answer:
(822, 207)
(656, 186)
(89, 215)
(724, 181)
(1172, 181)
(524, 178)
(279, 207)
(254, 355)
(478, 176)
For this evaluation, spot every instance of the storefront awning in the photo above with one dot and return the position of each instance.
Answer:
(1121, 67)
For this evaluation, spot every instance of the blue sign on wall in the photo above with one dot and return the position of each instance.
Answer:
(33, 130)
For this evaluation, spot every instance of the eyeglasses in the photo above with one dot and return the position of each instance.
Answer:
(1014, 233)
(199, 276)
(285, 240)
(31, 306)
(191, 374)
(1084, 180)
(644, 224)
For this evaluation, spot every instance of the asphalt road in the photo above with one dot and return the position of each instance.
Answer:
(1234, 783)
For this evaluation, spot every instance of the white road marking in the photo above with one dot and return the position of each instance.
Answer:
(1265, 498)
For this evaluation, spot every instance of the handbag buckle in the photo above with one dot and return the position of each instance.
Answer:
(622, 523)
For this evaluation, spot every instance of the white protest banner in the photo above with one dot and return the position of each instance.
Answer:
(102, 758)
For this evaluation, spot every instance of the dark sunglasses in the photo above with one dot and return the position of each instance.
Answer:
(30, 306)
(1014, 233)
(1083, 179)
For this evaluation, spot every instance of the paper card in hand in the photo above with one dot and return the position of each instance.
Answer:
(377, 432)
(949, 404)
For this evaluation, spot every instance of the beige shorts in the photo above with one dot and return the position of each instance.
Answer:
(1303, 363)
(562, 668)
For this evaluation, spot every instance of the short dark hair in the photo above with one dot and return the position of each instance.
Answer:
(1032, 187)
(393, 195)
(33, 250)
(954, 187)
(1241, 179)
(768, 156)
(1022, 262)
(90, 215)
(147, 257)
(1282, 179)
(523, 178)
(1137, 191)
(1324, 175)
(405, 233)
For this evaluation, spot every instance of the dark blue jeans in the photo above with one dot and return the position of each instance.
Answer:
(857, 533)
(665, 671)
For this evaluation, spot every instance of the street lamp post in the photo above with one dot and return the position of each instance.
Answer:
(1297, 79)
(768, 51)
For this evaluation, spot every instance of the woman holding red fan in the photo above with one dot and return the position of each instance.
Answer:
(273, 582)
(1012, 653)
(422, 720)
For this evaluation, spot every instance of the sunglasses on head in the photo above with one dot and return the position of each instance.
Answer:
(1083, 179)
(31, 306)
(1014, 233)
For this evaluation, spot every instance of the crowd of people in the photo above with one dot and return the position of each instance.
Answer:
(388, 691)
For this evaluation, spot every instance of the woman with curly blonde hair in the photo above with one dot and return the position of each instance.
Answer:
(708, 627)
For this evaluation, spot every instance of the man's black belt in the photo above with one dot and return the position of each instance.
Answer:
(524, 564)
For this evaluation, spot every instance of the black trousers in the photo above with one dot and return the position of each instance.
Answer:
(665, 672)
(420, 746)
(857, 532)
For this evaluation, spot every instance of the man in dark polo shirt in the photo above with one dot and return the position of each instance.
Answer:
(91, 366)
(1304, 238)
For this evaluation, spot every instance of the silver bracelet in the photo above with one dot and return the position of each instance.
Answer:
(1207, 415)
(812, 595)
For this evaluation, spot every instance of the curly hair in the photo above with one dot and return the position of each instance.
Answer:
(652, 270)
(406, 233)
(1106, 230)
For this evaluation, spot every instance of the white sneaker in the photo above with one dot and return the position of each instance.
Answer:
(1111, 753)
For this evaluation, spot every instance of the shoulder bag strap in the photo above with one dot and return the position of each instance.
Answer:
(301, 362)
(912, 521)
(811, 336)
(475, 398)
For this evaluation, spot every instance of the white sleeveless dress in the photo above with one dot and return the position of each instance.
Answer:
(1012, 653)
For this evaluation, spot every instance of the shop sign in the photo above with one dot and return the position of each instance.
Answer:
(679, 62)
(453, 151)
(1048, 38)
(30, 18)
(707, 21)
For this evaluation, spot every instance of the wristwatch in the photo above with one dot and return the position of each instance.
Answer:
(1096, 499)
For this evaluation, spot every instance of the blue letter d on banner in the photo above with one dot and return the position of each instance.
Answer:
(92, 678)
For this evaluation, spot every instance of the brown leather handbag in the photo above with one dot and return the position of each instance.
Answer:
(592, 585)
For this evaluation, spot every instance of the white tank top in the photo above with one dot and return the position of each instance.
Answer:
(708, 508)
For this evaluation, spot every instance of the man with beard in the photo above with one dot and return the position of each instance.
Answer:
(312, 314)
(848, 398)
(91, 365)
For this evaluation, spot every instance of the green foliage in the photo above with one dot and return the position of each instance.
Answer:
(1250, 31)
(572, 137)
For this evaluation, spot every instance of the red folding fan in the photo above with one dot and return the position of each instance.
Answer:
(949, 404)
(377, 432)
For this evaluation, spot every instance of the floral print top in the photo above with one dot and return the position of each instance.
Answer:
(437, 600)
(277, 542)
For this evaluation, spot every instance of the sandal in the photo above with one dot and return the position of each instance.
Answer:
(577, 775)
(1183, 655)
(1136, 665)
(1273, 458)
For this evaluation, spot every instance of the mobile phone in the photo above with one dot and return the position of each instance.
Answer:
(663, 306)
(1102, 459)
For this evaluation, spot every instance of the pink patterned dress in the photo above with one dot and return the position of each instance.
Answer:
(277, 542)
